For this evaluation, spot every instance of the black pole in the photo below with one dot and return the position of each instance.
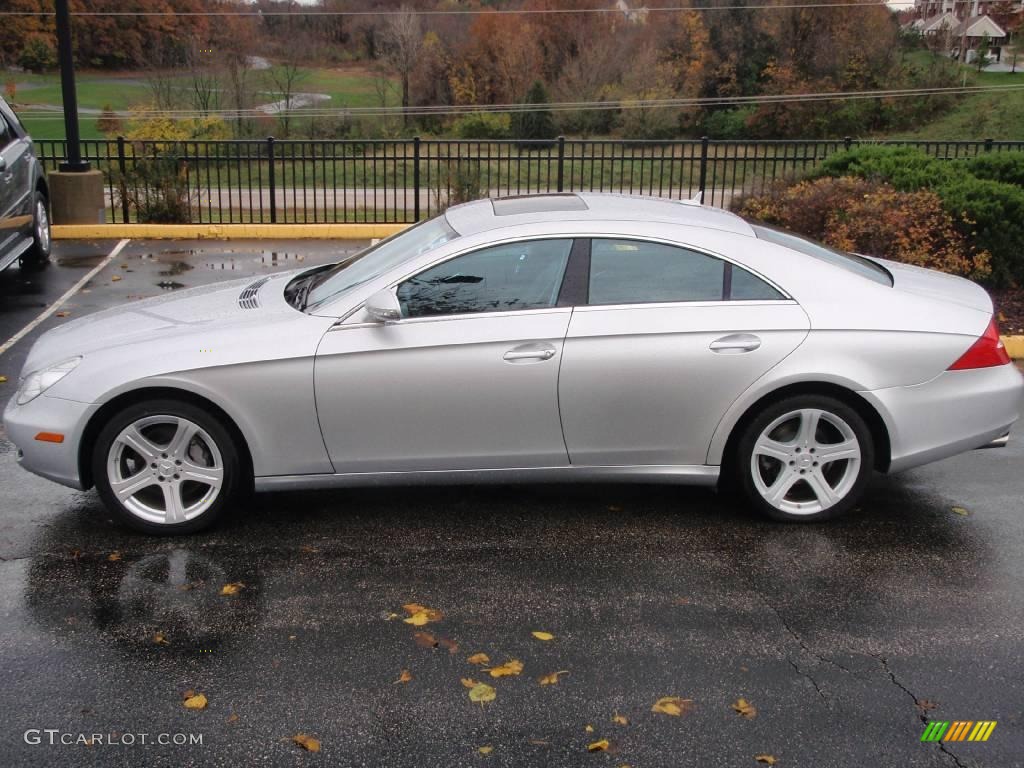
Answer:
(73, 161)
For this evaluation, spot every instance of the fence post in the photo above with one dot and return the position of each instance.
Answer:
(703, 166)
(273, 181)
(847, 143)
(561, 163)
(122, 168)
(988, 145)
(416, 177)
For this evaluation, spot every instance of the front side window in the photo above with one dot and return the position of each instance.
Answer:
(502, 278)
(638, 272)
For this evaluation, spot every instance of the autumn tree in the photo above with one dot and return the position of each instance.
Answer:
(403, 41)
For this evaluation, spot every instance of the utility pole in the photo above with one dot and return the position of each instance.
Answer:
(73, 162)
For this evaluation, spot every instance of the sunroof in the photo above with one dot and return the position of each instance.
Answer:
(510, 206)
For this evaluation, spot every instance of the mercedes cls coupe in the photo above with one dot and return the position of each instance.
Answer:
(571, 337)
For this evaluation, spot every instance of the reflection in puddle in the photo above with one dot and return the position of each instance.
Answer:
(175, 263)
(176, 268)
(169, 285)
(80, 262)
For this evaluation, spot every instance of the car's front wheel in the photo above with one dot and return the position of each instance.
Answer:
(166, 467)
(805, 458)
(38, 255)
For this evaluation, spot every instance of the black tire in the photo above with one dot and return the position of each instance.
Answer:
(234, 468)
(743, 471)
(38, 256)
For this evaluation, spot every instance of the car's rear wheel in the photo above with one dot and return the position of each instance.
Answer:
(166, 467)
(38, 255)
(805, 458)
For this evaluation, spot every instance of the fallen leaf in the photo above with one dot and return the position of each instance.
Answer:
(469, 682)
(552, 679)
(161, 639)
(417, 619)
(614, 508)
(479, 658)
(745, 708)
(672, 705)
(960, 511)
(451, 645)
(419, 615)
(308, 549)
(620, 719)
(767, 759)
(62, 314)
(195, 702)
(485, 750)
(599, 746)
(925, 705)
(588, 728)
(425, 640)
(540, 742)
(114, 556)
(233, 588)
(232, 718)
(543, 635)
(405, 677)
(513, 667)
(308, 743)
(115, 278)
(188, 694)
(3, 379)
(481, 692)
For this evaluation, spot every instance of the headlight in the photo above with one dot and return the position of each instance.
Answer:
(40, 381)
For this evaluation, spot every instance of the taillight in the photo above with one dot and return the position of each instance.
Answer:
(985, 352)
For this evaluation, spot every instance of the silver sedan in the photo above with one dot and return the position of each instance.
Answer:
(544, 338)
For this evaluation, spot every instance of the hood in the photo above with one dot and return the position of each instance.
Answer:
(226, 304)
(937, 285)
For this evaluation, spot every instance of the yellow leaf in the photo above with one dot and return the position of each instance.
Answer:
(232, 718)
(308, 743)
(160, 639)
(62, 314)
(543, 635)
(233, 588)
(672, 705)
(589, 728)
(115, 278)
(745, 708)
(469, 682)
(417, 619)
(114, 556)
(420, 615)
(485, 750)
(599, 746)
(513, 667)
(196, 702)
(767, 759)
(481, 692)
(620, 719)
(552, 679)
(405, 677)
(960, 511)
(3, 379)
(479, 658)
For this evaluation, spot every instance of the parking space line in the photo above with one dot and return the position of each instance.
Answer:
(67, 295)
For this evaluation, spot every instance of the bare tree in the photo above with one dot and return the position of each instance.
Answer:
(204, 87)
(285, 77)
(160, 79)
(403, 41)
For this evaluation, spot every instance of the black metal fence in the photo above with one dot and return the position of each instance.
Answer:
(397, 181)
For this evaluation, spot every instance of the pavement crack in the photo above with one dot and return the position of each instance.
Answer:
(919, 703)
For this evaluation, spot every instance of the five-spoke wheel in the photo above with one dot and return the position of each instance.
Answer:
(166, 466)
(805, 458)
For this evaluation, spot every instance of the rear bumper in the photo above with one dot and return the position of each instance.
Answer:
(54, 461)
(956, 411)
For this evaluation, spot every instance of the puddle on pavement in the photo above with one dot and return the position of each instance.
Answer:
(81, 262)
(175, 263)
(169, 285)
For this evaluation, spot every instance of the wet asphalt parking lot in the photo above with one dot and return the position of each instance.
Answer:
(847, 637)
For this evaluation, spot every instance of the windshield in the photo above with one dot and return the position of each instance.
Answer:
(374, 261)
(851, 262)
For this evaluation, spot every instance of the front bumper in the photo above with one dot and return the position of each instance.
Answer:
(54, 461)
(956, 411)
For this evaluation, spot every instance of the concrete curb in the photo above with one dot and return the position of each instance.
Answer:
(225, 231)
(1014, 346)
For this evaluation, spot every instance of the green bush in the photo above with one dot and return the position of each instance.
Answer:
(482, 125)
(988, 210)
(728, 123)
(38, 55)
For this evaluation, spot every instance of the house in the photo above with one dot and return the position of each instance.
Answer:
(949, 24)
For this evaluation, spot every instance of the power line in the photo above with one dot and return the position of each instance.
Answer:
(481, 11)
(454, 110)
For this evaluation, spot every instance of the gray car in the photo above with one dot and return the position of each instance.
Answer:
(545, 338)
(24, 197)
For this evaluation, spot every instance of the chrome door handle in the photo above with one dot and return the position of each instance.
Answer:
(735, 343)
(529, 352)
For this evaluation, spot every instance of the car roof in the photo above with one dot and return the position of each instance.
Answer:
(481, 215)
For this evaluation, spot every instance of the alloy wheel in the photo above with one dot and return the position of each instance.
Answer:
(165, 469)
(805, 461)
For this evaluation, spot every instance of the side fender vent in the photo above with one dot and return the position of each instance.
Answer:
(249, 298)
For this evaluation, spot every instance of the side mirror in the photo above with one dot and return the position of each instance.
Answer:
(383, 307)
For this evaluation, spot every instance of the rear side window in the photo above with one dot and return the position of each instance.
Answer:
(639, 272)
(851, 262)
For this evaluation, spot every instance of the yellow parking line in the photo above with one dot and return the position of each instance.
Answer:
(225, 231)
